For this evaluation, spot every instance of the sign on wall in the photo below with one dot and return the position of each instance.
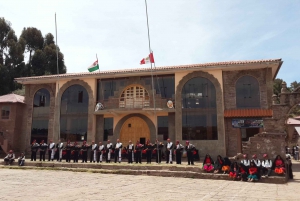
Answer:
(247, 123)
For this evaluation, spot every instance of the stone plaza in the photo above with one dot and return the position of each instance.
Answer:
(37, 184)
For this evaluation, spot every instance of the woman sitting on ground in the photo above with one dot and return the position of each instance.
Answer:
(279, 165)
(253, 171)
(243, 172)
(234, 171)
(226, 166)
(208, 163)
(218, 164)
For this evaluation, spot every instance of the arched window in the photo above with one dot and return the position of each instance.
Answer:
(134, 97)
(247, 92)
(74, 113)
(199, 113)
(40, 116)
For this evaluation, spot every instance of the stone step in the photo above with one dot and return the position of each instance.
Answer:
(163, 170)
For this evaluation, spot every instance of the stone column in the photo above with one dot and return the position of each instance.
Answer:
(99, 128)
(171, 126)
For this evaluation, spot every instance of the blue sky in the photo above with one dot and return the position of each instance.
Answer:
(182, 32)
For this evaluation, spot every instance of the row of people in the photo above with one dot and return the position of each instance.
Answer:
(252, 169)
(99, 151)
(10, 158)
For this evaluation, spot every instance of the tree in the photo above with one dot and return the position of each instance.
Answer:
(277, 86)
(5, 28)
(33, 41)
(294, 85)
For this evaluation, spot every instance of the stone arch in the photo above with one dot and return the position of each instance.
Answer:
(91, 104)
(119, 125)
(220, 112)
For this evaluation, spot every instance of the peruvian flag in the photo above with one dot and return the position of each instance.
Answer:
(149, 59)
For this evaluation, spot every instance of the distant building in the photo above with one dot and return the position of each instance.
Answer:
(216, 106)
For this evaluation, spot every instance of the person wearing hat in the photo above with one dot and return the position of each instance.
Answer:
(51, 150)
(169, 148)
(101, 152)
(266, 166)
(108, 150)
(118, 151)
(158, 147)
(68, 151)
(138, 152)
(9, 158)
(93, 154)
(43, 147)
(149, 149)
(21, 159)
(130, 150)
(246, 161)
(75, 150)
(84, 149)
(257, 163)
(178, 151)
(34, 148)
(189, 152)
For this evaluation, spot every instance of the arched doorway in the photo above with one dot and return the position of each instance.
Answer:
(134, 128)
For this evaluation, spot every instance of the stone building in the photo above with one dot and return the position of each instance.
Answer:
(223, 108)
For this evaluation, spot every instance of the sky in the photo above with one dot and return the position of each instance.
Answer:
(181, 31)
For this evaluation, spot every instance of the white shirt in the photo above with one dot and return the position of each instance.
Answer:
(101, 147)
(130, 147)
(118, 145)
(246, 162)
(257, 162)
(267, 163)
(169, 145)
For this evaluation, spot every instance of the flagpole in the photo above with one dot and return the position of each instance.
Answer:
(153, 89)
(58, 89)
(101, 95)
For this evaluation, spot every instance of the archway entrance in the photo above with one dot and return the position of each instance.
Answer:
(134, 128)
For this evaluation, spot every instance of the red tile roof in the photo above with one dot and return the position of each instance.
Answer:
(225, 63)
(248, 113)
(11, 98)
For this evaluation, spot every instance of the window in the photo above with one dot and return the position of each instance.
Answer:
(199, 113)
(247, 92)
(40, 115)
(5, 111)
(134, 97)
(108, 127)
(74, 113)
(107, 87)
(163, 127)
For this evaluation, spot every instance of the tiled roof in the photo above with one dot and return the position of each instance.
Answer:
(292, 121)
(225, 63)
(248, 113)
(11, 98)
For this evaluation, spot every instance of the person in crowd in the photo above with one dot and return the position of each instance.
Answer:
(289, 166)
(51, 150)
(226, 166)
(178, 152)
(75, 151)
(190, 152)
(101, 152)
(10, 158)
(279, 165)
(34, 148)
(21, 159)
(59, 148)
(108, 150)
(118, 151)
(246, 161)
(158, 146)
(93, 152)
(234, 171)
(296, 150)
(208, 163)
(243, 173)
(257, 163)
(266, 166)
(218, 164)
(130, 150)
(169, 148)
(138, 152)
(68, 151)
(149, 148)
(84, 149)
(252, 172)
(43, 147)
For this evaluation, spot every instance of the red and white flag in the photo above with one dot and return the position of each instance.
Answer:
(149, 59)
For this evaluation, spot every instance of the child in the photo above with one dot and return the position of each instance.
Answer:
(234, 171)
(253, 171)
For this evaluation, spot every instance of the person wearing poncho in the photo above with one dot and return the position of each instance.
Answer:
(208, 163)
(226, 166)
(218, 164)
(279, 165)
(253, 171)
(234, 170)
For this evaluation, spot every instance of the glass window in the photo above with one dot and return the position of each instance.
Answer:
(163, 127)
(107, 87)
(40, 116)
(199, 113)
(5, 111)
(108, 128)
(74, 113)
(247, 92)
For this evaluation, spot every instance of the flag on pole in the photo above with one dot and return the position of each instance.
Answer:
(94, 66)
(149, 59)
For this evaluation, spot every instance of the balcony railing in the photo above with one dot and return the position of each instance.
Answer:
(134, 103)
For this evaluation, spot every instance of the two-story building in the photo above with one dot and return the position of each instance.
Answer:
(215, 106)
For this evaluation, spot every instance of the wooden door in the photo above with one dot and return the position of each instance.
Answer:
(133, 129)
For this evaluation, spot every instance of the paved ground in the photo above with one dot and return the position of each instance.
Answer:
(62, 185)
